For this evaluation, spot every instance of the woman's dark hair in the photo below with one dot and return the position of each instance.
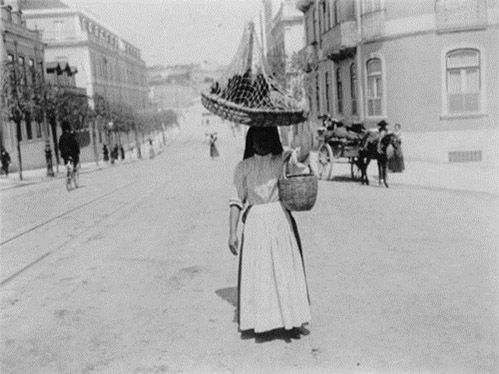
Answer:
(65, 126)
(267, 134)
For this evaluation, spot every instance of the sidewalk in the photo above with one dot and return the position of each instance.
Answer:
(40, 175)
(462, 177)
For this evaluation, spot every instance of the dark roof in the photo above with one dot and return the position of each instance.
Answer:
(42, 4)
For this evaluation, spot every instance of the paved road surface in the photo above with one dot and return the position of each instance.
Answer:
(132, 274)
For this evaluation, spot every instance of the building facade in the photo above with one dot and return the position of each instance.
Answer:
(22, 57)
(107, 64)
(430, 65)
(284, 37)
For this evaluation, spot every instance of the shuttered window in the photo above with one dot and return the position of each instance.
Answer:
(463, 81)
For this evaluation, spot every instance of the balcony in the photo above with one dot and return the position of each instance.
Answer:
(340, 41)
(458, 15)
(373, 25)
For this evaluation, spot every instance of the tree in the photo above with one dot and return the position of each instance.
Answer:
(16, 100)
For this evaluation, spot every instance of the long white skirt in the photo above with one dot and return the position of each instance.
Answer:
(272, 286)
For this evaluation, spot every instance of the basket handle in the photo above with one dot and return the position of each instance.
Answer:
(285, 168)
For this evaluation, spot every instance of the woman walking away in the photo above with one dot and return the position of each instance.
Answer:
(105, 152)
(396, 161)
(5, 158)
(213, 148)
(272, 287)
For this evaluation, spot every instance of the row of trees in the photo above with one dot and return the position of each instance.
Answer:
(27, 97)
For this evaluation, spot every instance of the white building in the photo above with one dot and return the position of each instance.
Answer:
(107, 64)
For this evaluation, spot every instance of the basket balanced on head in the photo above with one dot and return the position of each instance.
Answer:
(247, 94)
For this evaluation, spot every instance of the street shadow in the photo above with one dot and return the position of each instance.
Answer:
(343, 179)
(230, 295)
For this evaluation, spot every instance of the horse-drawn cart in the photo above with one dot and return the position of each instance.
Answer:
(338, 147)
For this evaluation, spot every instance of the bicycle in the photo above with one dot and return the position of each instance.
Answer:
(72, 175)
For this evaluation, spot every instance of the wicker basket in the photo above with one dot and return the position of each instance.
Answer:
(298, 192)
(251, 116)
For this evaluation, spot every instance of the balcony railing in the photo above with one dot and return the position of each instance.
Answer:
(457, 15)
(340, 39)
(373, 25)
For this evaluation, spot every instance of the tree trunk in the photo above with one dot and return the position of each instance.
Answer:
(137, 144)
(53, 127)
(94, 141)
(19, 157)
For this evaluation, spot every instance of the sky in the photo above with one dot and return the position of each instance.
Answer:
(177, 31)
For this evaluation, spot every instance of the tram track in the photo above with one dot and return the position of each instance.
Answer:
(118, 206)
(50, 220)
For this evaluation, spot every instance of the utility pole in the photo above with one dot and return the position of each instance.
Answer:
(48, 148)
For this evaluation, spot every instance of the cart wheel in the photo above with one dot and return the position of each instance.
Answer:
(325, 162)
(354, 169)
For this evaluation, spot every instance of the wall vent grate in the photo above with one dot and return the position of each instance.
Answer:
(465, 156)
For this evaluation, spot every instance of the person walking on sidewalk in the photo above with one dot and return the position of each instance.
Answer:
(151, 149)
(105, 153)
(122, 152)
(68, 145)
(5, 158)
(396, 160)
(213, 148)
(273, 293)
(114, 154)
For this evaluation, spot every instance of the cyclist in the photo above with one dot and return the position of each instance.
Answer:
(68, 145)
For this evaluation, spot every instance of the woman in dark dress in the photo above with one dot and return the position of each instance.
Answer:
(396, 161)
(213, 148)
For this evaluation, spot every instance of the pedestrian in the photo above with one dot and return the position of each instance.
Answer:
(272, 287)
(396, 160)
(213, 148)
(68, 145)
(382, 132)
(382, 151)
(105, 152)
(122, 151)
(5, 159)
(114, 154)
(151, 149)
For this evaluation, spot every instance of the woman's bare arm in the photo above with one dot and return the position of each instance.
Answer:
(235, 212)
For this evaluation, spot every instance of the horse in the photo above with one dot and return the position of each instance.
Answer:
(369, 151)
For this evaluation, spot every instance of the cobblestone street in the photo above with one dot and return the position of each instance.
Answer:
(131, 273)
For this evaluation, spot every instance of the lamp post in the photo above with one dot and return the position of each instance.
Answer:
(44, 93)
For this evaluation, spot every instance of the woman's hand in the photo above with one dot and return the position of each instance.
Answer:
(233, 244)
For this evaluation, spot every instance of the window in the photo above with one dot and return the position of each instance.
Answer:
(324, 16)
(374, 87)
(326, 79)
(353, 89)
(336, 12)
(29, 129)
(463, 81)
(339, 92)
(22, 71)
(38, 130)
